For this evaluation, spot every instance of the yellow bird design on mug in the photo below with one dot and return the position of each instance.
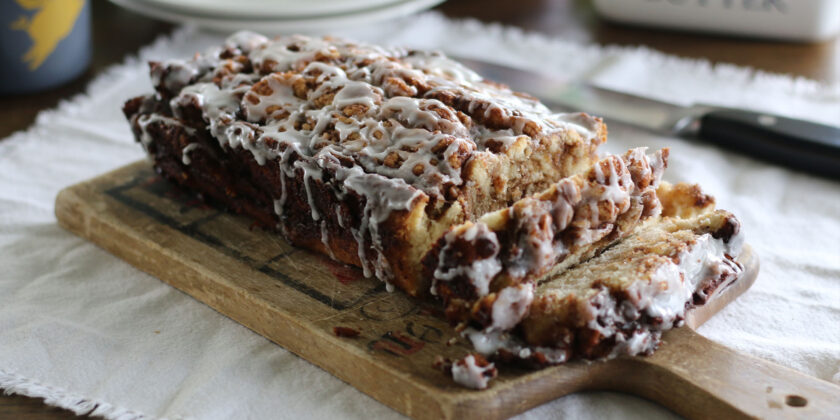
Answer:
(52, 22)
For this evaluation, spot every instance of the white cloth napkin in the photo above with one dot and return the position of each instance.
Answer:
(87, 331)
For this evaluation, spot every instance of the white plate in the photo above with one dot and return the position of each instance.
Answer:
(252, 9)
(272, 26)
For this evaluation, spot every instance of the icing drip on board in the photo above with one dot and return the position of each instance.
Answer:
(470, 374)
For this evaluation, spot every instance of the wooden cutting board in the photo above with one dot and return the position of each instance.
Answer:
(296, 298)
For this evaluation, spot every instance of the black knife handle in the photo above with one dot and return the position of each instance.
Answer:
(794, 143)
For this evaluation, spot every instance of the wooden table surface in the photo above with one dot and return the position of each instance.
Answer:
(118, 33)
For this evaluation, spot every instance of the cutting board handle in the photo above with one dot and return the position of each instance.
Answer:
(699, 378)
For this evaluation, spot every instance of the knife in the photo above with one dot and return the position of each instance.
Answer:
(795, 143)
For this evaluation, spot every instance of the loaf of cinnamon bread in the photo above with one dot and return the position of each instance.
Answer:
(362, 153)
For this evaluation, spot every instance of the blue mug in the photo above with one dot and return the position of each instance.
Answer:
(44, 43)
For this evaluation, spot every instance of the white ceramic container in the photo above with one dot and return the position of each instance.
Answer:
(796, 20)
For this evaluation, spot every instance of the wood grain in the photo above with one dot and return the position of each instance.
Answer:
(296, 299)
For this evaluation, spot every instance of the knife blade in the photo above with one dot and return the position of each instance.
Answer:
(795, 143)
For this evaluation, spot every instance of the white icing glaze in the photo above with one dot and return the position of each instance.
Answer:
(357, 93)
(246, 41)
(185, 153)
(640, 342)
(489, 343)
(615, 188)
(467, 373)
(511, 306)
(382, 196)
(325, 239)
(143, 121)
(553, 356)
(672, 285)
(600, 312)
(480, 271)
(278, 207)
(179, 76)
(658, 163)
(535, 249)
(563, 211)
(282, 99)
(437, 63)
(284, 53)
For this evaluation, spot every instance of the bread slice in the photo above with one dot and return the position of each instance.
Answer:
(621, 301)
(486, 271)
(359, 152)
